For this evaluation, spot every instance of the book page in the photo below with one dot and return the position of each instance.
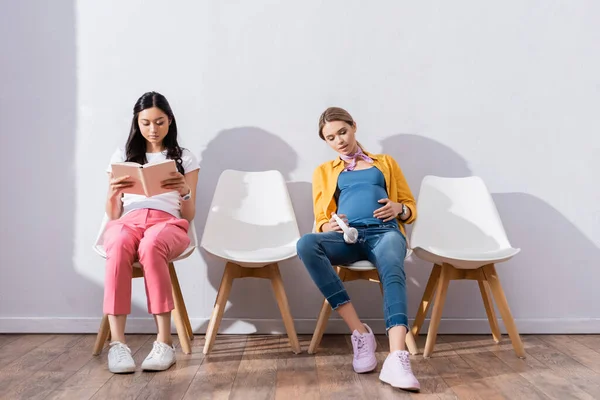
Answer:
(133, 170)
(154, 174)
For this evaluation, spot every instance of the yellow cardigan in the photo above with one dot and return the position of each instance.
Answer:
(325, 180)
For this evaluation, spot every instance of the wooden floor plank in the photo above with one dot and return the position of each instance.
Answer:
(257, 374)
(372, 386)
(215, 376)
(566, 367)
(505, 352)
(515, 387)
(337, 379)
(432, 384)
(174, 383)
(591, 341)
(297, 374)
(480, 389)
(23, 367)
(497, 377)
(454, 370)
(554, 386)
(32, 376)
(21, 346)
(574, 349)
(262, 366)
(8, 338)
(39, 385)
(88, 376)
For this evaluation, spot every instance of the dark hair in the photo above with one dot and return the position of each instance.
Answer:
(135, 149)
(334, 114)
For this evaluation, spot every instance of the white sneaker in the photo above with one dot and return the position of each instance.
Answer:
(119, 359)
(397, 372)
(364, 346)
(160, 358)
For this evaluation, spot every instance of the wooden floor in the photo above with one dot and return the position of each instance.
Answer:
(263, 367)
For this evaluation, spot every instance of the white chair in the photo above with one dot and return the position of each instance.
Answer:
(180, 315)
(360, 270)
(459, 230)
(252, 226)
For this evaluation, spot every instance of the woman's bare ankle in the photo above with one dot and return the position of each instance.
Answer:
(165, 340)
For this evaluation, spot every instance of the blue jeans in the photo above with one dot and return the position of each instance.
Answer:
(383, 245)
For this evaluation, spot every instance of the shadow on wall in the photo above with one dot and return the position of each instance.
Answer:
(37, 251)
(555, 258)
(248, 149)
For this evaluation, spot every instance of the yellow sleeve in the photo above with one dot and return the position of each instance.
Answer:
(318, 206)
(404, 194)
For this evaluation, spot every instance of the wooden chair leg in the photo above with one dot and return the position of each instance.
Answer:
(426, 300)
(102, 336)
(410, 341)
(178, 298)
(320, 328)
(492, 277)
(438, 307)
(231, 271)
(179, 313)
(284, 308)
(489, 306)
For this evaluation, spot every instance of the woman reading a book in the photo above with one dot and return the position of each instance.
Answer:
(151, 230)
(369, 193)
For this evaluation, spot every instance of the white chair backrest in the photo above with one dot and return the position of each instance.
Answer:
(99, 245)
(457, 214)
(250, 211)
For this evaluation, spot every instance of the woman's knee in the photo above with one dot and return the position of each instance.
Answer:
(163, 244)
(307, 244)
(120, 240)
(151, 246)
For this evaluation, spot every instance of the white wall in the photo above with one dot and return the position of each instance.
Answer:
(509, 92)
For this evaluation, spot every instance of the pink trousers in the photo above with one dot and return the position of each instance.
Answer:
(153, 238)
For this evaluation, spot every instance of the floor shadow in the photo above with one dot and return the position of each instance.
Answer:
(247, 149)
(38, 114)
(555, 254)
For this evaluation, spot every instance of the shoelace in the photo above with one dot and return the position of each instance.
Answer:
(404, 362)
(361, 345)
(157, 350)
(122, 352)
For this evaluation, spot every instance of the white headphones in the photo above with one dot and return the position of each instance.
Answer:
(350, 234)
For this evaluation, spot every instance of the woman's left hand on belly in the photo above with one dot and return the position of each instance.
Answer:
(389, 211)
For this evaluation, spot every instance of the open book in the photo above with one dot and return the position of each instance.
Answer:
(147, 178)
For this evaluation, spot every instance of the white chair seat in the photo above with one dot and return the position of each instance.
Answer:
(363, 265)
(255, 258)
(463, 259)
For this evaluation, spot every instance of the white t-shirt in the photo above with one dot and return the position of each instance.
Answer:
(167, 202)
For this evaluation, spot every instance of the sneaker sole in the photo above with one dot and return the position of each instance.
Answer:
(122, 371)
(365, 369)
(409, 388)
(151, 369)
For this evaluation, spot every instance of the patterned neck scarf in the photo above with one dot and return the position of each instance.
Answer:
(351, 159)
